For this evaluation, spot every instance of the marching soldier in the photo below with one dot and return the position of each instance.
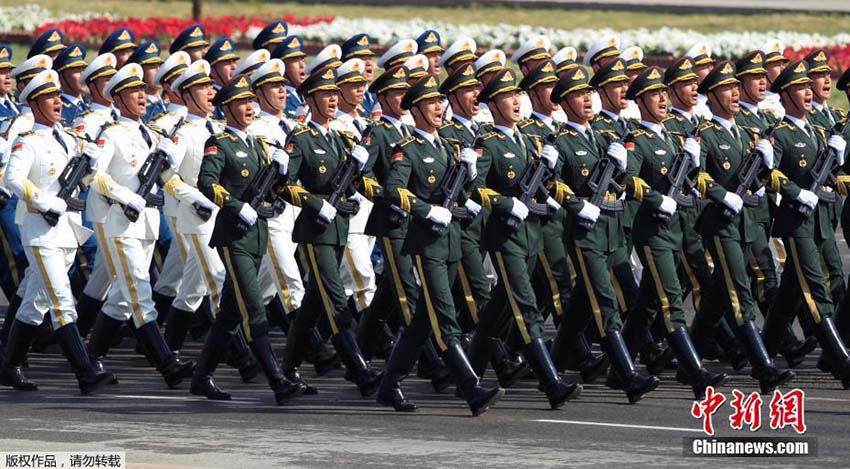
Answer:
(121, 43)
(147, 55)
(91, 123)
(658, 240)
(130, 239)
(460, 53)
(37, 159)
(752, 88)
(797, 145)
(358, 47)
(49, 43)
(701, 55)
(316, 154)
(290, 50)
(222, 59)
(230, 159)
(774, 62)
(271, 35)
(69, 64)
(192, 40)
(727, 225)
(593, 246)
(419, 164)
(506, 154)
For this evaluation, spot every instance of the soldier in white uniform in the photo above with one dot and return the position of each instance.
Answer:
(132, 226)
(633, 56)
(600, 53)
(37, 159)
(91, 123)
(490, 61)
(774, 62)
(170, 277)
(528, 56)
(9, 130)
(358, 275)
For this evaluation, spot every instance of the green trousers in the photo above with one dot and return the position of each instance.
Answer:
(435, 310)
(513, 304)
(325, 293)
(660, 290)
(241, 300)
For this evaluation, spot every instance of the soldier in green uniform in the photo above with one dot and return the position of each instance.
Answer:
(506, 154)
(595, 237)
(316, 153)
(797, 146)
(419, 163)
(240, 236)
(752, 75)
(843, 319)
(824, 116)
(551, 278)
(397, 292)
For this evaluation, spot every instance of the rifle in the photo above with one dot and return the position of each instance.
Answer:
(678, 177)
(342, 184)
(823, 171)
(150, 174)
(258, 191)
(600, 180)
(451, 187)
(748, 174)
(533, 182)
(70, 179)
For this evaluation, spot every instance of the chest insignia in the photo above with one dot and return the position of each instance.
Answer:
(52, 170)
(428, 160)
(323, 169)
(727, 165)
(244, 172)
(510, 155)
(134, 162)
(803, 163)
(584, 171)
(724, 146)
(319, 151)
(581, 153)
(432, 179)
(664, 170)
(511, 174)
(660, 152)
(800, 144)
(241, 154)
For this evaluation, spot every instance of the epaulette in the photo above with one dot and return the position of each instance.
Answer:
(783, 124)
(673, 115)
(26, 134)
(567, 130)
(86, 112)
(155, 127)
(406, 140)
(303, 129)
(640, 133)
(706, 124)
(526, 122)
(491, 134)
(225, 135)
(157, 116)
(109, 124)
(601, 117)
(820, 130)
(66, 103)
(606, 132)
(447, 124)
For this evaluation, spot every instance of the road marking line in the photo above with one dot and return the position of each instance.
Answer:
(826, 399)
(621, 425)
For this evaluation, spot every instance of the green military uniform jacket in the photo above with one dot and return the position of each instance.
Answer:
(722, 156)
(794, 154)
(454, 130)
(313, 162)
(380, 140)
(580, 156)
(610, 131)
(501, 165)
(760, 123)
(228, 168)
(677, 122)
(414, 183)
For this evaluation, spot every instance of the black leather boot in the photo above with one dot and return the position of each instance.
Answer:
(478, 398)
(162, 304)
(398, 366)
(689, 362)
(763, 370)
(88, 378)
(172, 369)
(14, 354)
(176, 328)
(14, 305)
(633, 383)
(571, 351)
(432, 368)
(87, 312)
(211, 355)
(104, 331)
(283, 388)
(508, 371)
(556, 390)
(323, 358)
(239, 356)
(202, 320)
(292, 353)
(366, 379)
(834, 350)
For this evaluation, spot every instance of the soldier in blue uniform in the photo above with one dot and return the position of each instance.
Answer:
(121, 43)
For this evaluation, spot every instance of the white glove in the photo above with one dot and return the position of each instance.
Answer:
(357, 197)
(93, 151)
(361, 155)
(807, 198)
(553, 204)
(692, 149)
(473, 207)
(248, 214)
(136, 202)
(760, 192)
(618, 153)
(837, 143)
(589, 212)
(327, 212)
(469, 157)
(519, 210)
(550, 155)
(668, 205)
(167, 146)
(50, 203)
(282, 159)
(766, 149)
(439, 215)
(205, 203)
(733, 201)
